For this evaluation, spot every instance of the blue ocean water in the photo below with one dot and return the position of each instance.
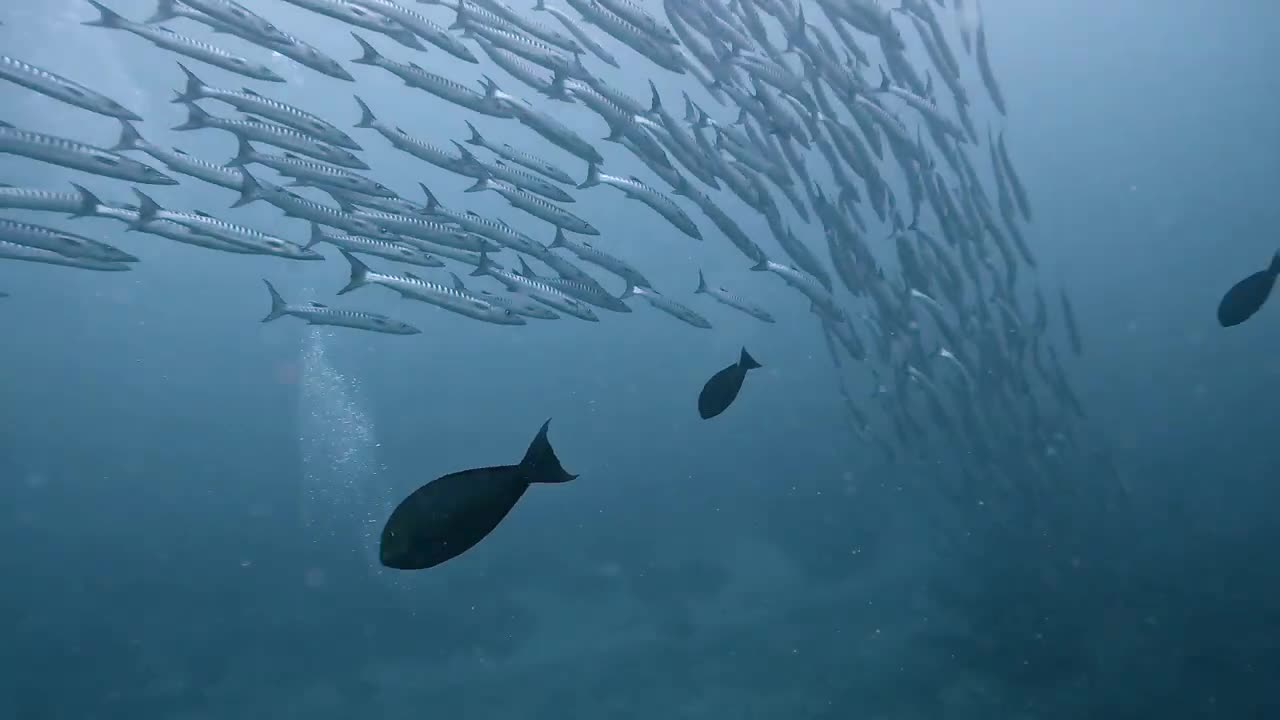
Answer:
(191, 499)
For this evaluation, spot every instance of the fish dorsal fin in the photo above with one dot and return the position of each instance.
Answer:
(254, 119)
(5, 124)
(292, 156)
(202, 214)
(635, 179)
(179, 151)
(414, 66)
(319, 305)
(248, 91)
(411, 276)
(504, 224)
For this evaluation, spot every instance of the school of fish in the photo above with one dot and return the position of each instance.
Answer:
(849, 127)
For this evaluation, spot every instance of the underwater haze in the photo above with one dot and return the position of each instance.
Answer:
(191, 500)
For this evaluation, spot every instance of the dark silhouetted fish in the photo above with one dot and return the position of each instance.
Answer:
(721, 390)
(1247, 296)
(449, 515)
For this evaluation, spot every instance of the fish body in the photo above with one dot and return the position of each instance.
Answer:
(449, 515)
(179, 161)
(78, 156)
(14, 251)
(725, 297)
(518, 157)
(536, 289)
(280, 136)
(17, 198)
(536, 206)
(251, 103)
(421, 26)
(183, 45)
(252, 240)
(49, 239)
(589, 253)
(359, 16)
(442, 296)
(637, 190)
(722, 389)
(60, 88)
(668, 306)
(308, 171)
(318, 314)
(386, 249)
(1247, 296)
(442, 87)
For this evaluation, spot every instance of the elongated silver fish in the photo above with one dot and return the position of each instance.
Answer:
(250, 102)
(725, 297)
(499, 170)
(425, 229)
(515, 302)
(438, 85)
(77, 156)
(306, 170)
(195, 49)
(179, 161)
(421, 26)
(257, 242)
(555, 131)
(58, 241)
(296, 206)
(271, 134)
(415, 288)
(14, 251)
(536, 289)
(536, 206)
(17, 198)
(577, 32)
(519, 157)
(404, 142)
(668, 306)
(397, 251)
(637, 190)
(60, 88)
(319, 314)
(362, 17)
(806, 284)
(590, 253)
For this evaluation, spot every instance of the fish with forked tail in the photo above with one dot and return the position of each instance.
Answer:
(449, 515)
(722, 389)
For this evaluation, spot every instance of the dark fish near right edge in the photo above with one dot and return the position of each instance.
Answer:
(1247, 296)
(721, 390)
(449, 515)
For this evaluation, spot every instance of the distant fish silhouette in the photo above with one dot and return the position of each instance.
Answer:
(1247, 296)
(719, 392)
(449, 515)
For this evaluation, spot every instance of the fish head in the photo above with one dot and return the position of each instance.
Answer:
(152, 176)
(505, 316)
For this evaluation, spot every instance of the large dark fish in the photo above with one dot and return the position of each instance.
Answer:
(449, 515)
(721, 390)
(1247, 296)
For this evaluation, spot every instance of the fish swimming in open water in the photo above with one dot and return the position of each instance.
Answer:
(449, 515)
(722, 389)
(1247, 296)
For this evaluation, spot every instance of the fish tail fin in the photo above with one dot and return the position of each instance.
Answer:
(433, 205)
(244, 153)
(107, 17)
(165, 10)
(370, 55)
(130, 139)
(525, 270)
(1275, 264)
(593, 176)
(761, 265)
(317, 236)
(655, 100)
(560, 240)
(195, 88)
(88, 204)
(359, 273)
(476, 138)
(558, 89)
(629, 292)
(747, 362)
(481, 184)
(702, 283)
(457, 282)
(250, 190)
(539, 5)
(367, 118)
(147, 208)
(484, 266)
(540, 464)
(279, 308)
(884, 80)
(197, 118)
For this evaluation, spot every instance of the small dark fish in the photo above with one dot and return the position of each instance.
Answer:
(1247, 296)
(719, 392)
(449, 515)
